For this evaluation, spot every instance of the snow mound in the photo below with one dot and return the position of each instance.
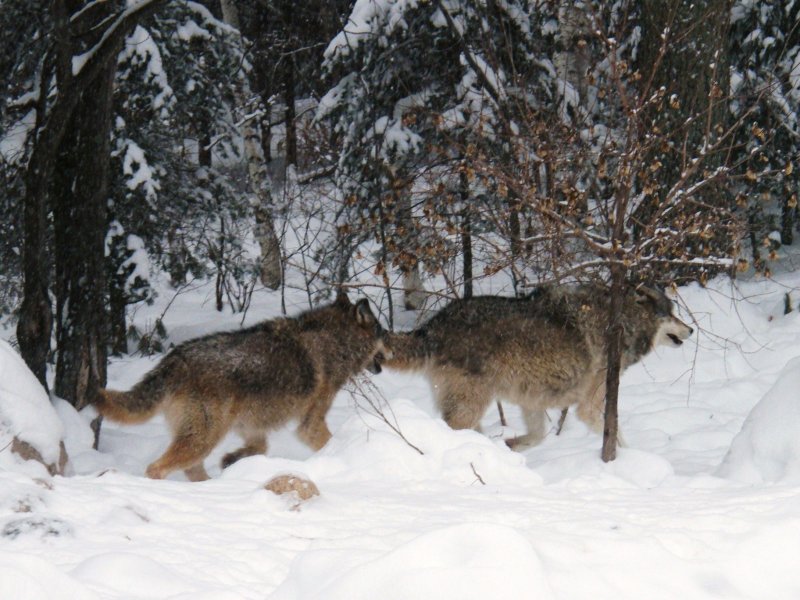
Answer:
(631, 467)
(459, 562)
(28, 577)
(127, 573)
(767, 449)
(25, 411)
(407, 444)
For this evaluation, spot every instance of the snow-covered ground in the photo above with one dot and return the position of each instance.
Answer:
(704, 503)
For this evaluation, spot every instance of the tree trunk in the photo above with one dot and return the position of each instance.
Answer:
(256, 150)
(788, 212)
(34, 327)
(289, 89)
(414, 295)
(466, 247)
(35, 316)
(466, 235)
(81, 223)
(614, 361)
(117, 323)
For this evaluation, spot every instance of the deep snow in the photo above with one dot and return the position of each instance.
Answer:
(703, 503)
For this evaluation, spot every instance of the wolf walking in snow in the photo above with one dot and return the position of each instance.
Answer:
(543, 351)
(251, 380)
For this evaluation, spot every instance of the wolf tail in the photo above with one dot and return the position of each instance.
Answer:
(408, 351)
(140, 403)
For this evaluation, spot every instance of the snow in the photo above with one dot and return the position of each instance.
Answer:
(141, 49)
(25, 411)
(138, 171)
(703, 502)
(767, 449)
(12, 141)
(191, 30)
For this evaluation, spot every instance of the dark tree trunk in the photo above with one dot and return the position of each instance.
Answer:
(81, 222)
(176, 265)
(291, 114)
(54, 114)
(289, 8)
(466, 248)
(35, 316)
(788, 212)
(204, 147)
(614, 361)
(117, 321)
(466, 236)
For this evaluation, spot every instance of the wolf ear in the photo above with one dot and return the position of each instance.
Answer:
(647, 294)
(364, 315)
(342, 299)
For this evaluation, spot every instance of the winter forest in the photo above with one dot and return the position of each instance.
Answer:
(173, 168)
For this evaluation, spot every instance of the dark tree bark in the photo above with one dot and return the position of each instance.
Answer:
(80, 212)
(54, 114)
(614, 360)
(291, 111)
(788, 216)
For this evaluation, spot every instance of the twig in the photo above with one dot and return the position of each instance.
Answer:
(561, 420)
(378, 410)
(477, 474)
(502, 414)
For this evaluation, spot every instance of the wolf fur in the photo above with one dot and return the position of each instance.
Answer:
(543, 351)
(251, 380)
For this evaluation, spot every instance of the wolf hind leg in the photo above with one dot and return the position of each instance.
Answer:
(196, 435)
(313, 429)
(255, 442)
(462, 402)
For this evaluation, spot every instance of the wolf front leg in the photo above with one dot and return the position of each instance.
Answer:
(591, 405)
(313, 430)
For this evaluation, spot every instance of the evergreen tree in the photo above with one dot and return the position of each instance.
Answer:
(765, 86)
(422, 90)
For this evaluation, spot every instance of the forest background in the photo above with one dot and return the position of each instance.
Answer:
(408, 149)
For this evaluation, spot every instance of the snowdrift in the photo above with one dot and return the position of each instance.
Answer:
(767, 449)
(29, 426)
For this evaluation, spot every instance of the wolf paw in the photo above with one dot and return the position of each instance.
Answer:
(230, 458)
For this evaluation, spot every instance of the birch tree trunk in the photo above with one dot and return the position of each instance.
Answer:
(271, 271)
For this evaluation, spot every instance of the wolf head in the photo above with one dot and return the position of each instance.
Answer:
(369, 324)
(670, 331)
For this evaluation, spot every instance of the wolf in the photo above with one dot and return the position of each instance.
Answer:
(545, 350)
(251, 380)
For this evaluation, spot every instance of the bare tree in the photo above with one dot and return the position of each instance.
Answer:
(606, 212)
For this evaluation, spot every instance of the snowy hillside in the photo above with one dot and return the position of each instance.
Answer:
(704, 503)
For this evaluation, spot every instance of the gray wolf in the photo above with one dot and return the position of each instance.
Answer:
(251, 380)
(546, 350)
